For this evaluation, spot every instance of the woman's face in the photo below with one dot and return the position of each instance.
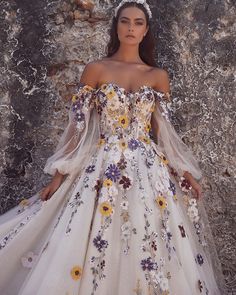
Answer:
(132, 21)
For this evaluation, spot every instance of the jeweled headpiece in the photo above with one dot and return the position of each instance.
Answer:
(143, 2)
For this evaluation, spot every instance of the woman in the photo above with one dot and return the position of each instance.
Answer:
(113, 219)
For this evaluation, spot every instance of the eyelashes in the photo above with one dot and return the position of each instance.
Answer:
(125, 22)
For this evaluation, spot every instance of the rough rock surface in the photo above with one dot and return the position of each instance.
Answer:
(44, 47)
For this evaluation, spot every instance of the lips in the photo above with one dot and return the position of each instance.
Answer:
(130, 36)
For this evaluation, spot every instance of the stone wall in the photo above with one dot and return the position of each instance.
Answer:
(44, 47)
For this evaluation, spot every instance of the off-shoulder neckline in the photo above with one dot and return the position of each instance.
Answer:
(124, 90)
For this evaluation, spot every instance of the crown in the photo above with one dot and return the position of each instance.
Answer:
(143, 2)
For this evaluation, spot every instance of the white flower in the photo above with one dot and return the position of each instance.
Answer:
(164, 284)
(104, 192)
(124, 205)
(162, 261)
(193, 213)
(128, 154)
(115, 155)
(113, 191)
(160, 277)
(28, 260)
(192, 202)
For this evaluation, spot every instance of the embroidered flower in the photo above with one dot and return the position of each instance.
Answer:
(106, 209)
(161, 202)
(98, 186)
(145, 139)
(124, 205)
(122, 164)
(113, 172)
(182, 231)
(113, 191)
(123, 144)
(148, 264)
(164, 160)
(90, 169)
(147, 127)
(107, 183)
(192, 202)
(99, 243)
(101, 142)
(24, 202)
(74, 98)
(133, 144)
(76, 272)
(193, 214)
(200, 286)
(123, 121)
(111, 94)
(125, 182)
(164, 285)
(28, 260)
(126, 230)
(199, 259)
(184, 184)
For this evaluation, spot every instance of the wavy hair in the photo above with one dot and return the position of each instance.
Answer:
(146, 47)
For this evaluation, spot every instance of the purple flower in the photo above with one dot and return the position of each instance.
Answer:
(199, 259)
(79, 117)
(99, 243)
(113, 172)
(133, 144)
(90, 169)
(148, 264)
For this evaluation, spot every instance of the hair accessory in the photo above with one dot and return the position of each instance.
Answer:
(143, 2)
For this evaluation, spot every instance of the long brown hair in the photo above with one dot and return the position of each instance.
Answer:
(146, 47)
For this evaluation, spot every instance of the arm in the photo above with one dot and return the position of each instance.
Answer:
(71, 138)
(163, 85)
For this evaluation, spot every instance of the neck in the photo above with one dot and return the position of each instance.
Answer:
(128, 53)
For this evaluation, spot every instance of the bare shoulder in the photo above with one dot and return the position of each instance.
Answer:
(91, 73)
(162, 82)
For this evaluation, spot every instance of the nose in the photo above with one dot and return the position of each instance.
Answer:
(130, 28)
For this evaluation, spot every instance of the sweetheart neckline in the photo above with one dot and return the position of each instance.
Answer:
(123, 89)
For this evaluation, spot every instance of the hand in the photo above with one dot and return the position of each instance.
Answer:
(196, 187)
(47, 192)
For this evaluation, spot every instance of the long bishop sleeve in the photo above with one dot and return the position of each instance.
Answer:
(79, 139)
(180, 157)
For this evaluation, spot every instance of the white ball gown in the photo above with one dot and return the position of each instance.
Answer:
(123, 221)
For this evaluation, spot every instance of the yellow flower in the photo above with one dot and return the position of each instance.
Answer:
(74, 98)
(76, 272)
(103, 86)
(107, 182)
(88, 88)
(106, 209)
(123, 121)
(24, 202)
(145, 139)
(101, 142)
(147, 127)
(164, 160)
(161, 202)
(123, 144)
(111, 94)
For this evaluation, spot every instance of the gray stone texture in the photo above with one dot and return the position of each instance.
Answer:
(44, 47)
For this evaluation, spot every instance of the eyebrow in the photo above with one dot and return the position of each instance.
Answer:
(134, 19)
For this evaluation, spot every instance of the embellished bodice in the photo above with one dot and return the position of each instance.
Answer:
(122, 114)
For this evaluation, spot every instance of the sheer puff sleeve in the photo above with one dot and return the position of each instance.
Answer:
(179, 156)
(80, 137)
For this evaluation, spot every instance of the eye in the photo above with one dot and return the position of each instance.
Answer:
(139, 24)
